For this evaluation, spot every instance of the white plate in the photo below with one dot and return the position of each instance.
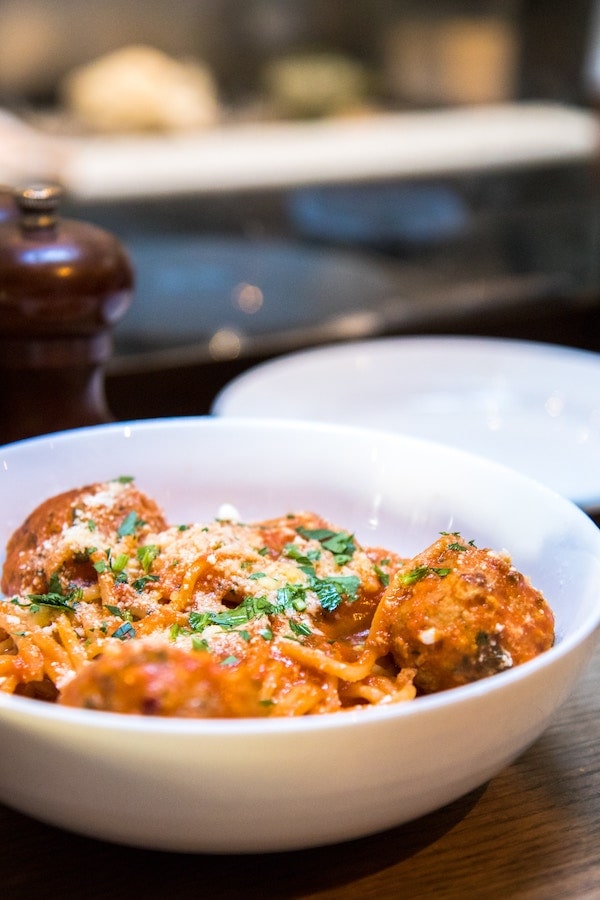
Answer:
(531, 406)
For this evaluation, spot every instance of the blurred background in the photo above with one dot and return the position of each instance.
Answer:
(288, 174)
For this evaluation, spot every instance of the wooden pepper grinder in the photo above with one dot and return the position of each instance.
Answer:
(63, 285)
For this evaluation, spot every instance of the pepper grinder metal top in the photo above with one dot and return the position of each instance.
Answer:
(64, 284)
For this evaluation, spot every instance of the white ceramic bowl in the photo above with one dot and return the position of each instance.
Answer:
(229, 786)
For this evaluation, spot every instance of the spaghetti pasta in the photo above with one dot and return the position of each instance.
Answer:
(107, 606)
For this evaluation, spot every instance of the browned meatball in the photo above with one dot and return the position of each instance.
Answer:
(457, 613)
(54, 536)
(161, 679)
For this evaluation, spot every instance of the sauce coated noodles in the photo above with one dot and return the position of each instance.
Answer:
(108, 606)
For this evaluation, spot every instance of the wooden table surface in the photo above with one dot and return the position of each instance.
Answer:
(531, 832)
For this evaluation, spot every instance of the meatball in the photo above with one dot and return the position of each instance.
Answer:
(54, 537)
(457, 613)
(160, 679)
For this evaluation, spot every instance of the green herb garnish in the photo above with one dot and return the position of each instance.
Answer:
(334, 590)
(124, 632)
(140, 583)
(249, 608)
(339, 543)
(300, 628)
(56, 597)
(56, 601)
(421, 572)
(124, 614)
(130, 524)
(146, 556)
(383, 577)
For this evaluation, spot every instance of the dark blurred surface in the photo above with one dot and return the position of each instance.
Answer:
(513, 254)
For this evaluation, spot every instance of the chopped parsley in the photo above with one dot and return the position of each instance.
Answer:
(130, 524)
(175, 630)
(332, 591)
(55, 597)
(339, 543)
(383, 577)
(293, 551)
(124, 614)
(229, 661)
(56, 601)
(300, 628)
(250, 608)
(115, 566)
(146, 556)
(291, 596)
(421, 572)
(456, 545)
(140, 583)
(124, 632)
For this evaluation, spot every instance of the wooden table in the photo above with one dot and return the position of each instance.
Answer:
(532, 832)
